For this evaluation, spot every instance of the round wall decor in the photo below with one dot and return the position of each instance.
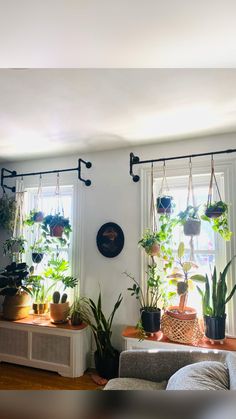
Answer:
(110, 240)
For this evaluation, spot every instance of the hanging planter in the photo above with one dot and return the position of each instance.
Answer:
(56, 226)
(7, 212)
(151, 243)
(164, 200)
(216, 212)
(37, 257)
(191, 221)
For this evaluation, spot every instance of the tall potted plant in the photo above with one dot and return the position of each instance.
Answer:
(106, 356)
(17, 299)
(214, 300)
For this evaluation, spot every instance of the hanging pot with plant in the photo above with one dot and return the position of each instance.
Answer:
(56, 225)
(39, 248)
(7, 212)
(164, 200)
(14, 248)
(214, 300)
(151, 243)
(216, 213)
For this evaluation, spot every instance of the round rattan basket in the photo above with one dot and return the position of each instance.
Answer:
(182, 331)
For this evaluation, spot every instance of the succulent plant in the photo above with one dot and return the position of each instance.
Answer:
(63, 298)
(56, 297)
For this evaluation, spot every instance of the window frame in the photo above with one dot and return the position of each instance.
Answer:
(228, 168)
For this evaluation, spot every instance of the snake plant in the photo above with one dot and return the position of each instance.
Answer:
(216, 296)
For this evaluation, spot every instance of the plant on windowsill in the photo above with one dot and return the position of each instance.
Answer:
(7, 212)
(13, 286)
(59, 308)
(214, 300)
(79, 311)
(56, 226)
(216, 214)
(40, 291)
(190, 220)
(183, 278)
(106, 356)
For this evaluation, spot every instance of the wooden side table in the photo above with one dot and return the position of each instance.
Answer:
(158, 341)
(62, 348)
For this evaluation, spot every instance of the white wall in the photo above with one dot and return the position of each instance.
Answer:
(114, 197)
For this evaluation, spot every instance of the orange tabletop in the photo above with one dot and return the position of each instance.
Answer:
(229, 344)
(30, 320)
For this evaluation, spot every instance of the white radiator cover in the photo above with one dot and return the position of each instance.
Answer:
(65, 351)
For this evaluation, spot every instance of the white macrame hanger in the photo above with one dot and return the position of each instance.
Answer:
(59, 207)
(191, 192)
(19, 213)
(152, 204)
(38, 203)
(164, 189)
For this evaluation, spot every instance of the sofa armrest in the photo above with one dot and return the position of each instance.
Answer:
(159, 365)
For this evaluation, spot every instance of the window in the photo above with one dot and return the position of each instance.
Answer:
(209, 248)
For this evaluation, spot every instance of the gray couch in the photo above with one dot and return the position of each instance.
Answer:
(152, 369)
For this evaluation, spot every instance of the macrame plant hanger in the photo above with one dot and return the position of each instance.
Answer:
(38, 206)
(191, 193)
(19, 213)
(59, 207)
(153, 219)
(212, 179)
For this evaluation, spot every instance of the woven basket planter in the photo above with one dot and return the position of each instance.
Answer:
(182, 331)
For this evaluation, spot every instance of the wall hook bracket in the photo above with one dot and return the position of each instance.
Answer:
(88, 165)
(132, 161)
(5, 173)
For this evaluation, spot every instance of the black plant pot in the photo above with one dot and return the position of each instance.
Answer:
(151, 320)
(192, 227)
(76, 319)
(108, 365)
(37, 257)
(214, 212)
(215, 327)
(164, 204)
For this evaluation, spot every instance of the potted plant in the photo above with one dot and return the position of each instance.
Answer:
(14, 248)
(217, 215)
(106, 357)
(34, 216)
(56, 225)
(16, 303)
(181, 278)
(7, 212)
(79, 311)
(214, 300)
(40, 292)
(57, 272)
(164, 204)
(39, 248)
(149, 300)
(190, 220)
(151, 243)
(59, 308)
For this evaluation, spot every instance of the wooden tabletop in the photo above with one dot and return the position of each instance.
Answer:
(44, 322)
(228, 345)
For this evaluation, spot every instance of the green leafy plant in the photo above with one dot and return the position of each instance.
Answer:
(189, 212)
(182, 277)
(40, 289)
(57, 271)
(101, 326)
(40, 246)
(216, 296)
(149, 239)
(7, 212)
(219, 223)
(51, 221)
(14, 246)
(33, 217)
(79, 311)
(13, 279)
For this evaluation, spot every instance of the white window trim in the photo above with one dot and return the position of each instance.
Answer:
(228, 168)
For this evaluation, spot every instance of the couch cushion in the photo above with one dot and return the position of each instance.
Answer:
(206, 375)
(134, 384)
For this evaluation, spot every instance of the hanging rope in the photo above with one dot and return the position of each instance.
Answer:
(212, 179)
(38, 203)
(164, 189)
(19, 214)
(59, 208)
(152, 204)
(191, 193)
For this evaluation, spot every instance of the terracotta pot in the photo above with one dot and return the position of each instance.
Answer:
(189, 313)
(40, 308)
(154, 250)
(59, 312)
(16, 307)
(56, 231)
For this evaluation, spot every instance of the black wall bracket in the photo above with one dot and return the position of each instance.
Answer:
(135, 160)
(11, 174)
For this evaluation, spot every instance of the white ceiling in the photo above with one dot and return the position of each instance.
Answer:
(117, 33)
(56, 112)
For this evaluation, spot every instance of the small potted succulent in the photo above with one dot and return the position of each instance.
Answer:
(217, 215)
(34, 216)
(59, 308)
(79, 311)
(214, 300)
(164, 204)
(13, 286)
(181, 277)
(56, 225)
(190, 220)
(151, 243)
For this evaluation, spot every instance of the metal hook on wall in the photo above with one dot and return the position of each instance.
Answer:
(132, 161)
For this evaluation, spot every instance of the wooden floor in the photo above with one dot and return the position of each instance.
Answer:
(16, 377)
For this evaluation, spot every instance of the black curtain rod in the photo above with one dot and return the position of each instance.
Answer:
(8, 174)
(134, 160)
